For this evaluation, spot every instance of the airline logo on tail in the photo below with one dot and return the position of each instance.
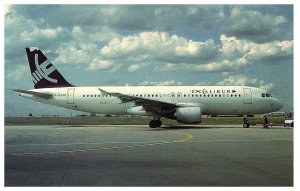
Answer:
(44, 74)
(43, 71)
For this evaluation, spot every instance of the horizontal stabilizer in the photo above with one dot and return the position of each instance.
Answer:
(38, 94)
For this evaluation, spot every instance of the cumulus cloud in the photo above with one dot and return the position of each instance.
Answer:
(159, 46)
(234, 54)
(136, 67)
(237, 48)
(102, 65)
(81, 43)
(253, 25)
(240, 80)
(73, 53)
(36, 34)
(222, 65)
(162, 83)
(18, 72)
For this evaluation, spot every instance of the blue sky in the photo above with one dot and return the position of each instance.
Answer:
(98, 45)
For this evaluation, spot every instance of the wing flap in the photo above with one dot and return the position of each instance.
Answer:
(140, 101)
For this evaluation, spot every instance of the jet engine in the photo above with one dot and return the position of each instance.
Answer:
(188, 114)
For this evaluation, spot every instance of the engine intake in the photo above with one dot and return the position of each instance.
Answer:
(188, 114)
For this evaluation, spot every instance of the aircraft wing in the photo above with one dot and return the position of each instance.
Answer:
(148, 104)
(38, 94)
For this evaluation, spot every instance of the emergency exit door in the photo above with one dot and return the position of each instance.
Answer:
(247, 96)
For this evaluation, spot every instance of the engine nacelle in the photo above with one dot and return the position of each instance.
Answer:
(188, 114)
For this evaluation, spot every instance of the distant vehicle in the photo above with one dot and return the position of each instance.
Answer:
(289, 120)
(276, 114)
(186, 104)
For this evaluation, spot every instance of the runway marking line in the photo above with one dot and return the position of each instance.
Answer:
(188, 136)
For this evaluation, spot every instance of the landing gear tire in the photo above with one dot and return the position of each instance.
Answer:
(155, 123)
(158, 123)
(152, 124)
(246, 125)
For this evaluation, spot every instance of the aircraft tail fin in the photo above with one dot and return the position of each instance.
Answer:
(44, 74)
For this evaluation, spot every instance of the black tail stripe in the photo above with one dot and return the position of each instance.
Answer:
(44, 74)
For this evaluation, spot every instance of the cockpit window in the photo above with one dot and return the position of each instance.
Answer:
(266, 95)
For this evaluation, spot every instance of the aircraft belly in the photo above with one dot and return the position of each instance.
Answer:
(218, 109)
(114, 109)
(102, 107)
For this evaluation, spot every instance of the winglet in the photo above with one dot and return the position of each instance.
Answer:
(102, 91)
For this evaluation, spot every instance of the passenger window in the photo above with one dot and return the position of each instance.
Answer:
(263, 95)
(83, 95)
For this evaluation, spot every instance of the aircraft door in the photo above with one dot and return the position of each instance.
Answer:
(248, 96)
(70, 96)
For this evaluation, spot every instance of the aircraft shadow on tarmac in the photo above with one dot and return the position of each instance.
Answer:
(176, 127)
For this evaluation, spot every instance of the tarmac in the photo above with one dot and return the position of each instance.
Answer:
(137, 155)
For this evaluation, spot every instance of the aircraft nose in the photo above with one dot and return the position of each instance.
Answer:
(277, 104)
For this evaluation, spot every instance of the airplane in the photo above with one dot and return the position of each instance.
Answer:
(186, 104)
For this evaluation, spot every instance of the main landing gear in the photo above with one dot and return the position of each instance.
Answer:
(155, 123)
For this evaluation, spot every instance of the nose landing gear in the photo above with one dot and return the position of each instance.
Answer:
(246, 124)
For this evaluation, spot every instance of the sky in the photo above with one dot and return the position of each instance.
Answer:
(118, 45)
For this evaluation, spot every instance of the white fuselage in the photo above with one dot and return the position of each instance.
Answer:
(213, 100)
